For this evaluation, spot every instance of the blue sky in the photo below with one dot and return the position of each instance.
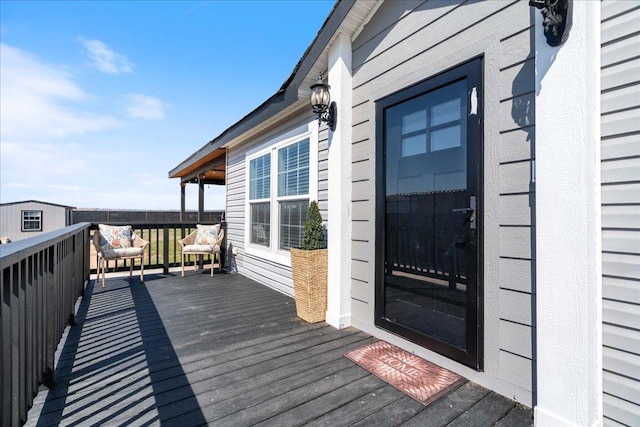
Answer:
(100, 100)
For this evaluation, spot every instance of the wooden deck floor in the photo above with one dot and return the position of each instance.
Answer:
(228, 351)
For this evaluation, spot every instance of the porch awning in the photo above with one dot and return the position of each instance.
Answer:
(210, 168)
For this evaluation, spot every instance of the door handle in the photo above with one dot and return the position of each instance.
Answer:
(472, 209)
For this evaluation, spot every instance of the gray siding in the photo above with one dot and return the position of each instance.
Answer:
(620, 104)
(53, 218)
(267, 272)
(404, 43)
(323, 171)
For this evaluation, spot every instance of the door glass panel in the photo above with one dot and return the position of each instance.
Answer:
(444, 138)
(414, 122)
(416, 144)
(445, 112)
(426, 234)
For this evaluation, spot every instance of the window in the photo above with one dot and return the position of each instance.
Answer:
(276, 213)
(31, 220)
(293, 180)
(259, 195)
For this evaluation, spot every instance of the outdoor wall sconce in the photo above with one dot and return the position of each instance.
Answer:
(557, 19)
(320, 102)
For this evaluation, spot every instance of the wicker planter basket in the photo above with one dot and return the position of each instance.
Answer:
(310, 283)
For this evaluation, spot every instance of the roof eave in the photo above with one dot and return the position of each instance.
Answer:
(286, 95)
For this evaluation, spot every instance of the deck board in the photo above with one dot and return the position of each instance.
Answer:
(227, 351)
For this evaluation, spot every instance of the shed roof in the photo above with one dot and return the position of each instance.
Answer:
(37, 201)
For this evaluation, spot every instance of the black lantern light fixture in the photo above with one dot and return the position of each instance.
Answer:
(556, 19)
(326, 110)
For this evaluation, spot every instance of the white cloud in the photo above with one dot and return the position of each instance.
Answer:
(54, 148)
(40, 101)
(145, 107)
(106, 60)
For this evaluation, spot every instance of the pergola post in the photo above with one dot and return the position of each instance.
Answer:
(201, 212)
(200, 199)
(183, 186)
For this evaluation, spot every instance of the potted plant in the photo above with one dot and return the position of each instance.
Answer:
(309, 265)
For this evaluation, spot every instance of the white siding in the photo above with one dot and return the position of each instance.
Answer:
(620, 105)
(407, 42)
(53, 218)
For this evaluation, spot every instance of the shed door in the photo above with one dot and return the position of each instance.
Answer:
(428, 211)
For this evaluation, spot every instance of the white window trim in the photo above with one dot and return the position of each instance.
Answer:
(273, 253)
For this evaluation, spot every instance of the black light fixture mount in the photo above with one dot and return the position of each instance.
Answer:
(321, 104)
(557, 19)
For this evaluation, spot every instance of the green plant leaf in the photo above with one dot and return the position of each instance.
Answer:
(313, 234)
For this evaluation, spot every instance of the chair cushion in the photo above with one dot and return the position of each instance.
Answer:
(115, 236)
(207, 234)
(208, 249)
(122, 252)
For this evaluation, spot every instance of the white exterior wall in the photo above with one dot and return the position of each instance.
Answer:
(53, 218)
(568, 266)
(407, 42)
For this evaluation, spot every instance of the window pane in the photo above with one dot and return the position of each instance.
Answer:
(260, 223)
(31, 225)
(260, 177)
(413, 145)
(414, 122)
(31, 215)
(292, 217)
(446, 112)
(293, 169)
(448, 137)
(303, 181)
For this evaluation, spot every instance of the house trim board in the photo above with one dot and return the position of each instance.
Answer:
(339, 180)
(568, 233)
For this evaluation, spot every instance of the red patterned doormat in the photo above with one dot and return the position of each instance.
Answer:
(421, 380)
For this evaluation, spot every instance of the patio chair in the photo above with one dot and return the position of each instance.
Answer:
(115, 243)
(204, 240)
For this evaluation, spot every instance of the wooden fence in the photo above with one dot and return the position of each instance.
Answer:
(40, 282)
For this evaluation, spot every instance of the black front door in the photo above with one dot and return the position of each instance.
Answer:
(428, 206)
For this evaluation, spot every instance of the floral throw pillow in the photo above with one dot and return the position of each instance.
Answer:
(207, 234)
(115, 237)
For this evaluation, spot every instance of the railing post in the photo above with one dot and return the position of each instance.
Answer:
(14, 305)
(5, 349)
(50, 301)
(165, 249)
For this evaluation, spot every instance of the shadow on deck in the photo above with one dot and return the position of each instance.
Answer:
(227, 351)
